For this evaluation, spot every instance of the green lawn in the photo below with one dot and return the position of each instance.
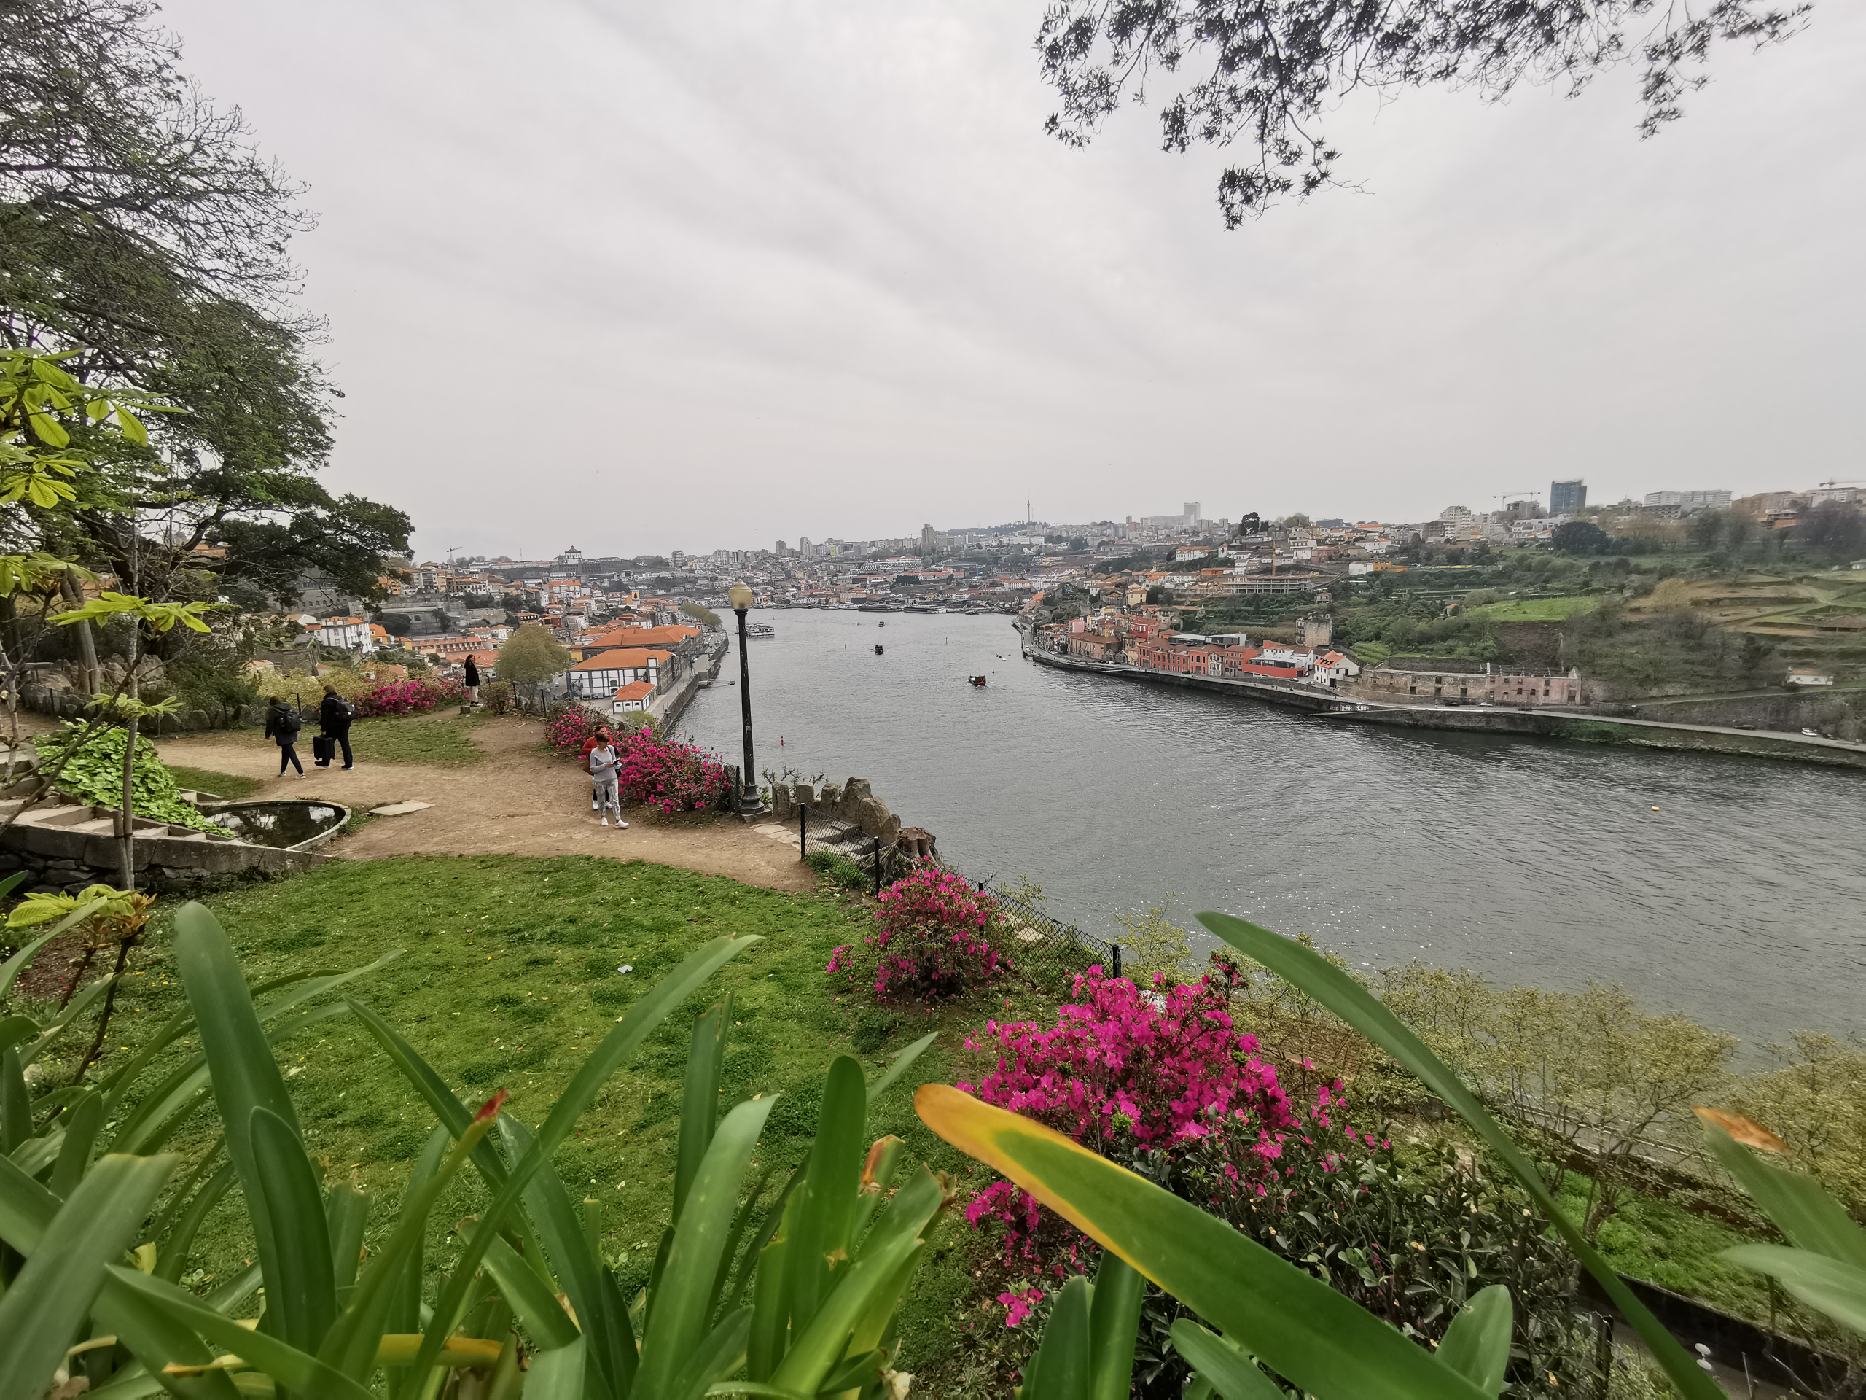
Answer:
(231, 786)
(508, 975)
(442, 738)
(1558, 609)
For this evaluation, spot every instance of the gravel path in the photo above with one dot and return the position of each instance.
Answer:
(519, 801)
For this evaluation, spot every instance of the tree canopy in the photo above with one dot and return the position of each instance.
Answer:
(140, 228)
(1258, 76)
(531, 656)
(1580, 537)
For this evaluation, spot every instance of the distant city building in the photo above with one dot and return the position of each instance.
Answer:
(803, 547)
(1567, 497)
(929, 539)
(1685, 502)
(1192, 513)
(1837, 493)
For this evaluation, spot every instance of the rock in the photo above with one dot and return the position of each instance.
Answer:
(399, 809)
(830, 799)
(890, 830)
(781, 801)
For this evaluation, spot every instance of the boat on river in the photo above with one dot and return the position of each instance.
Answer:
(760, 629)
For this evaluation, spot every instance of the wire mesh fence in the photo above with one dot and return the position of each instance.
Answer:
(1044, 949)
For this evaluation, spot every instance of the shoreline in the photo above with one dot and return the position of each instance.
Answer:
(1564, 725)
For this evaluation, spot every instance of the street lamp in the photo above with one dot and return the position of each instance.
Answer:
(742, 599)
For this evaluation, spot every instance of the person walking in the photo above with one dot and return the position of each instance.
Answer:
(605, 768)
(282, 726)
(600, 736)
(334, 714)
(472, 682)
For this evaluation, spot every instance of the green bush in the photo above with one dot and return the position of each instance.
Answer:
(213, 684)
(93, 773)
(841, 871)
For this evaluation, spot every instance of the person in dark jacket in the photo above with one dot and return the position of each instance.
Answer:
(472, 681)
(333, 718)
(282, 726)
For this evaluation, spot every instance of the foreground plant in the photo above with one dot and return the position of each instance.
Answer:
(791, 1291)
(1268, 1311)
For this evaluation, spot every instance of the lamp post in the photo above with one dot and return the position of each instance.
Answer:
(742, 599)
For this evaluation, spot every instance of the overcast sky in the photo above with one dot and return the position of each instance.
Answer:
(638, 276)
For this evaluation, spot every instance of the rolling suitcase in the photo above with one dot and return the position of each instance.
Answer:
(323, 749)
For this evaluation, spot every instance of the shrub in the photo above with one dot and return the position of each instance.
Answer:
(931, 940)
(93, 773)
(667, 776)
(212, 684)
(566, 730)
(303, 686)
(410, 697)
(497, 698)
(840, 870)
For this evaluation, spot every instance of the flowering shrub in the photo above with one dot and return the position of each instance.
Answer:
(931, 940)
(568, 730)
(666, 776)
(410, 697)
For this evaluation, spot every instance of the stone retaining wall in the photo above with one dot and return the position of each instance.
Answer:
(66, 847)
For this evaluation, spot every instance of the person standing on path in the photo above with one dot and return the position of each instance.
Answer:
(472, 683)
(282, 726)
(605, 769)
(333, 718)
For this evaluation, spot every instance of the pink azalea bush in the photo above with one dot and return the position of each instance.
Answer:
(666, 776)
(569, 728)
(1160, 1079)
(410, 697)
(931, 939)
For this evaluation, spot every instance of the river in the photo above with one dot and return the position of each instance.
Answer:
(1740, 902)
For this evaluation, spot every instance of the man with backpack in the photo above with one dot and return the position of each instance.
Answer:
(282, 726)
(333, 718)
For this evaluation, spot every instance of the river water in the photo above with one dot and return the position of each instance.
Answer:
(1741, 902)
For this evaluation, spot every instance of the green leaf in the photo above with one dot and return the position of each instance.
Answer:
(699, 1110)
(1826, 1285)
(719, 1353)
(291, 1368)
(530, 1298)
(1353, 1003)
(48, 430)
(301, 1288)
(15, 1103)
(44, 1306)
(1798, 1205)
(1297, 1325)
(899, 1065)
(83, 1119)
(826, 1202)
(172, 1249)
(556, 1374)
(1060, 1369)
(1477, 1344)
(1114, 1328)
(616, 1049)
(346, 1211)
(132, 427)
(9, 973)
(1226, 1368)
(683, 1304)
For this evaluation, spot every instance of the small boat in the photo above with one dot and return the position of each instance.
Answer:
(877, 648)
(978, 681)
(882, 623)
(760, 629)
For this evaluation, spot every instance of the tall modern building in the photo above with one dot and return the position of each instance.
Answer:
(1191, 512)
(1567, 497)
(929, 539)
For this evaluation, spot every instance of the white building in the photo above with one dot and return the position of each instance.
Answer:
(1685, 502)
(348, 633)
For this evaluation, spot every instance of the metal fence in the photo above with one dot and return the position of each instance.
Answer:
(1046, 950)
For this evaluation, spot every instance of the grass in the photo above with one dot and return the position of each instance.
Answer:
(508, 975)
(232, 786)
(442, 738)
(1558, 609)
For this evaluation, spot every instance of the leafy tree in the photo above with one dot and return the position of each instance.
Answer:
(140, 228)
(1833, 530)
(1580, 537)
(1276, 67)
(531, 656)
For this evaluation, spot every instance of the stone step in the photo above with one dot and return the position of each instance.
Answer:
(102, 826)
(69, 814)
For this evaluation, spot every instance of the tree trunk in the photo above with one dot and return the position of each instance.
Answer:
(126, 831)
(87, 645)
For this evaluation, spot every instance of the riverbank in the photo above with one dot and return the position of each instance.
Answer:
(1490, 719)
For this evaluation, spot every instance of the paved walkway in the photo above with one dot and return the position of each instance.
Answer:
(519, 801)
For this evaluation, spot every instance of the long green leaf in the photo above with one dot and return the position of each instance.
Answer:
(685, 1303)
(405, 1306)
(293, 1369)
(899, 1065)
(827, 1200)
(173, 1248)
(719, 1353)
(301, 1288)
(43, 1307)
(16, 1030)
(27, 1210)
(1060, 1370)
(1223, 1366)
(1114, 1328)
(1824, 1284)
(346, 1212)
(1297, 1325)
(530, 1298)
(15, 1103)
(55, 1027)
(556, 1374)
(1477, 1344)
(1353, 1003)
(1797, 1205)
(699, 1109)
(84, 1118)
(616, 1049)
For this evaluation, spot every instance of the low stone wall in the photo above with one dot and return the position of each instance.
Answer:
(67, 846)
(69, 704)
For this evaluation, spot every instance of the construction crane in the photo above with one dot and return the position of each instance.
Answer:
(1509, 496)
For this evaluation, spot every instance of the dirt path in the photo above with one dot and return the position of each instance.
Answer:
(520, 801)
